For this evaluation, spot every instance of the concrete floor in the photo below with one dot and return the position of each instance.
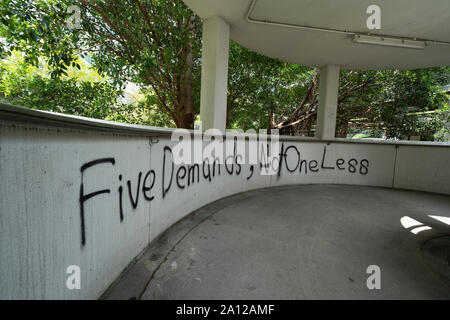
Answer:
(299, 242)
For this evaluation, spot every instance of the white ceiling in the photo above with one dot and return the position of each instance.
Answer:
(422, 19)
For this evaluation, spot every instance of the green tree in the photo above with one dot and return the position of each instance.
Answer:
(153, 43)
(267, 93)
(156, 44)
(401, 103)
(26, 86)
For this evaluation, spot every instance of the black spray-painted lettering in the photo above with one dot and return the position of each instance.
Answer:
(290, 156)
(84, 197)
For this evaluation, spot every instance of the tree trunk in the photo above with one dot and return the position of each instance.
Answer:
(341, 131)
(188, 102)
(229, 107)
(309, 125)
(186, 105)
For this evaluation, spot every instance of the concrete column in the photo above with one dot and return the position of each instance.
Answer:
(213, 97)
(328, 97)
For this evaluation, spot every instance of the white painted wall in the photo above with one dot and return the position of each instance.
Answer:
(40, 213)
(422, 168)
(40, 231)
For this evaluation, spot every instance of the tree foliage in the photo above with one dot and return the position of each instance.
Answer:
(26, 86)
(267, 93)
(156, 44)
(261, 90)
(38, 29)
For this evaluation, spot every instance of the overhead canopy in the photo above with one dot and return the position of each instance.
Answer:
(321, 32)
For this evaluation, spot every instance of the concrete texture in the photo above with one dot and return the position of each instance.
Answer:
(299, 242)
(213, 96)
(42, 157)
(290, 30)
(328, 100)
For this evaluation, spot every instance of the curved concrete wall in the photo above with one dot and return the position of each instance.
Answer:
(94, 194)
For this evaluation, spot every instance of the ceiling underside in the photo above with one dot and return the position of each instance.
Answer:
(272, 29)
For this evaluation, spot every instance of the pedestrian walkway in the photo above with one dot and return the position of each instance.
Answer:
(301, 242)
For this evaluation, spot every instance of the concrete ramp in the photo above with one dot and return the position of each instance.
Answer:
(301, 242)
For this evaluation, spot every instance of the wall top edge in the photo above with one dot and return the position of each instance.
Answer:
(20, 115)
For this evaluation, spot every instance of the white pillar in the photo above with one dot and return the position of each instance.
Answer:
(213, 97)
(328, 97)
